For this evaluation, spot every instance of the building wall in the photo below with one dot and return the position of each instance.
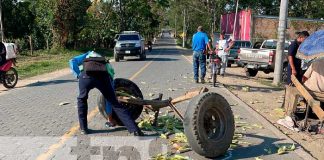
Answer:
(267, 28)
(258, 28)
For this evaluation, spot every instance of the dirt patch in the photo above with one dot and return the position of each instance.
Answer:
(267, 100)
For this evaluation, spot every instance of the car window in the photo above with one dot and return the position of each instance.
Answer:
(241, 44)
(273, 45)
(128, 37)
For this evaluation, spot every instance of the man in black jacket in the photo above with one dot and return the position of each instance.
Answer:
(2, 54)
(294, 65)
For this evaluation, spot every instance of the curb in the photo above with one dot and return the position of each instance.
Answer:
(300, 151)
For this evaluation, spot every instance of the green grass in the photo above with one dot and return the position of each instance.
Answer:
(43, 61)
(179, 43)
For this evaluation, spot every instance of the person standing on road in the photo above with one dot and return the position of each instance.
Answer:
(199, 43)
(223, 46)
(101, 80)
(294, 65)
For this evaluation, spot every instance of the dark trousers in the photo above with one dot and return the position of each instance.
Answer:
(103, 84)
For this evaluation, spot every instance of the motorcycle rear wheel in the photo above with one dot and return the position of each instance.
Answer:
(10, 78)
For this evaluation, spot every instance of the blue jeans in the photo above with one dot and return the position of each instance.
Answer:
(224, 63)
(199, 59)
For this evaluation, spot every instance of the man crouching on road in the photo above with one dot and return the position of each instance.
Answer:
(94, 73)
(199, 42)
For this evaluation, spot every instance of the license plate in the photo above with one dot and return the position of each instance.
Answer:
(127, 51)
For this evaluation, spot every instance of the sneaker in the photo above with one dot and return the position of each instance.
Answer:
(138, 133)
(196, 81)
(109, 125)
(202, 81)
(84, 131)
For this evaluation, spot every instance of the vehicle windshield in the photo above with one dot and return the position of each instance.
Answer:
(273, 45)
(242, 44)
(130, 37)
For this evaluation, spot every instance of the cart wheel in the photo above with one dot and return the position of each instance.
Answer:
(209, 125)
(128, 87)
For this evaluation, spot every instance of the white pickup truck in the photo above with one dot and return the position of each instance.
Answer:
(262, 58)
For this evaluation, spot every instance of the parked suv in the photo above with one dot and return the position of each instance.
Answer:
(129, 43)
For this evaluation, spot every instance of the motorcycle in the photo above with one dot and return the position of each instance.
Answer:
(149, 46)
(8, 74)
(215, 66)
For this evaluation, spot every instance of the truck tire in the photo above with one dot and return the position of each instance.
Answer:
(250, 72)
(229, 64)
(284, 77)
(128, 87)
(116, 57)
(209, 125)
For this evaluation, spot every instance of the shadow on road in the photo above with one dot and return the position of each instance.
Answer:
(253, 88)
(266, 147)
(53, 82)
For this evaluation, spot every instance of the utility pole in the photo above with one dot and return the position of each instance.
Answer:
(1, 24)
(175, 26)
(184, 29)
(281, 41)
(237, 2)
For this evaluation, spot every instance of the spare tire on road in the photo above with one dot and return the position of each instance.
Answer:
(128, 87)
(209, 125)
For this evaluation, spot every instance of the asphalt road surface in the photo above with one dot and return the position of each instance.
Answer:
(34, 126)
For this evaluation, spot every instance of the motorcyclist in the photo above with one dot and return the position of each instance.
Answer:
(149, 45)
(2, 54)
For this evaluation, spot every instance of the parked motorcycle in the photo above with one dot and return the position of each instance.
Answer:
(215, 66)
(8, 74)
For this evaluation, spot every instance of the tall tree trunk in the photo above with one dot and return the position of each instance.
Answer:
(31, 45)
(47, 43)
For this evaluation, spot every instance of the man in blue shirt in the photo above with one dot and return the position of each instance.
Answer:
(103, 82)
(199, 43)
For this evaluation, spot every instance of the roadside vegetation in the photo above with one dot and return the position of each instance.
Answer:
(41, 27)
(43, 61)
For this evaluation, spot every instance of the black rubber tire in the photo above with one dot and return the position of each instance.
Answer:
(143, 56)
(116, 57)
(284, 76)
(12, 77)
(203, 110)
(121, 57)
(250, 72)
(130, 88)
(218, 71)
(229, 64)
(214, 78)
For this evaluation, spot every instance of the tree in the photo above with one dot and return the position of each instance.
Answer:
(18, 20)
(44, 12)
(69, 20)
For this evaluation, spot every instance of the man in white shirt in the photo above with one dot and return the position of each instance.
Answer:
(223, 46)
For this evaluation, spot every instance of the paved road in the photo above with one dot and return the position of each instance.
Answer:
(33, 125)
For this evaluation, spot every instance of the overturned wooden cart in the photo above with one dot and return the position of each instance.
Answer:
(208, 121)
(313, 102)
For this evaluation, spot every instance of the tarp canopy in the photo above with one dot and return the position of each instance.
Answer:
(313, 47)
